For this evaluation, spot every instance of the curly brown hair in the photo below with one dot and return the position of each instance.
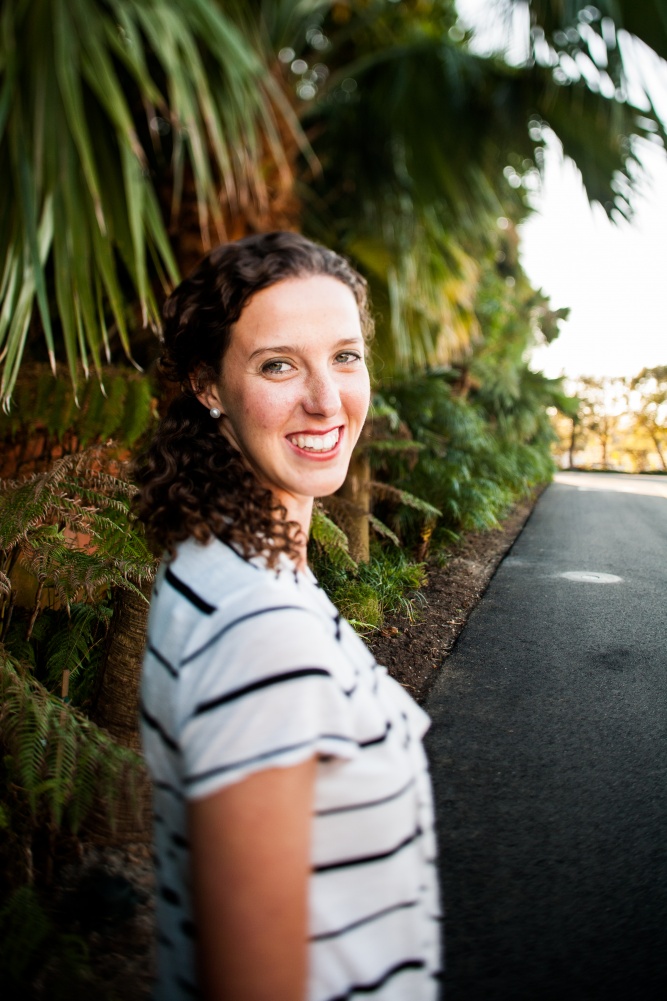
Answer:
(192, 481)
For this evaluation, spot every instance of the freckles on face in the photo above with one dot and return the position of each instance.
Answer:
(265, 402)
(295, 389)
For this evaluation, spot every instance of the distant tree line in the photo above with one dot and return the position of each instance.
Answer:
(620, 423)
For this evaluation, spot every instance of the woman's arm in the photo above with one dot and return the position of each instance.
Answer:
(250, 867)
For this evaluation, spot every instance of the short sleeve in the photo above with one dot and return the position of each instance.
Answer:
(267, 691)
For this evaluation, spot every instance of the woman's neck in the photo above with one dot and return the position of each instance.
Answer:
(300, 511)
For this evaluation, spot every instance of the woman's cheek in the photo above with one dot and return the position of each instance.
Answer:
(360, 398)
(268, 409)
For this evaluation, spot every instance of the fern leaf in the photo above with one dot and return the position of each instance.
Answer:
(331, 538)
(384, 491)
(72, 527)
(71, 646)
(383, 529)
(57, 759)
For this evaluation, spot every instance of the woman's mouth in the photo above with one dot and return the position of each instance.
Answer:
(316, 442)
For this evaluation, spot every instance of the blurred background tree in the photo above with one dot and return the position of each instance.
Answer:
(649, 390)
(601, 404)
(614, 423)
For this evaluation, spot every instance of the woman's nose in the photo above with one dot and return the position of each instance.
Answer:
(322, 395)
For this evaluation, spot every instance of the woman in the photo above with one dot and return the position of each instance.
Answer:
(293, 824)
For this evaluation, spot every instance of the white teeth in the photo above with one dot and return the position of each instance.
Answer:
(316, 443)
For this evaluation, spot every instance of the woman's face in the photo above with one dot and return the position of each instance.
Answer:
(295, 389)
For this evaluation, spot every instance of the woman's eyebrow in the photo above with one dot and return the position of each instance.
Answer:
(278, 349)
(295, 349)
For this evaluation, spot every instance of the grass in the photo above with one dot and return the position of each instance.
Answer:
(389, 583)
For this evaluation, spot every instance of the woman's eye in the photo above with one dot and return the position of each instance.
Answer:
(348, 357)
(276, 367)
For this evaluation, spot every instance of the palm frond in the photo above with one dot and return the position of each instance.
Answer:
(98, 103)
(647, 21)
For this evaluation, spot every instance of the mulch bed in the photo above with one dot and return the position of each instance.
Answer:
(121, 949)
(414, 652)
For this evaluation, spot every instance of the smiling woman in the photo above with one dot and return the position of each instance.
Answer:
(295, 410)
(299, 317)
(293, 817)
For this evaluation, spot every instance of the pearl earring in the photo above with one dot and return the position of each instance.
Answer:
(215, 413)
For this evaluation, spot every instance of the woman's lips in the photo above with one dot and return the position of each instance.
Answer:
(316, 443)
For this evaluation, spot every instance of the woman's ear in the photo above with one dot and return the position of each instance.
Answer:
(205, 391)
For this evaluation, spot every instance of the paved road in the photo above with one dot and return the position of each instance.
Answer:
(549, 755)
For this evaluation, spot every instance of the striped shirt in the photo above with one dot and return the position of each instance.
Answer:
(249, 668)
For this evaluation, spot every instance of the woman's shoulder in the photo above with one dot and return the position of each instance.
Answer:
(212, 577)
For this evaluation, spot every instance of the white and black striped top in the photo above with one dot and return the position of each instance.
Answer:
(248, 668)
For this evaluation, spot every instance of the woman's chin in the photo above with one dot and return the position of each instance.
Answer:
(312, 487)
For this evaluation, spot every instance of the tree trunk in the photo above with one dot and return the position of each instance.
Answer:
(357, 490)
(573, 441)
(658, 449)
(116, 709)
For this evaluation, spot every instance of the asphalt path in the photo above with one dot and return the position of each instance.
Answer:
(549, 757)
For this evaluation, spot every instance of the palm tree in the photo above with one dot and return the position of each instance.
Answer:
(110, 112)
(115, 116)
(423, 146)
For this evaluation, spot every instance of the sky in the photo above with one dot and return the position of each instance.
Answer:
(613, 276)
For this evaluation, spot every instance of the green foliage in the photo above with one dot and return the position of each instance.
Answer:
(71, 529)
(327, 538)
(514, 316)
(359, 604)
(388, 583)
(64, 640)
(31, 942)
(387, 492)
(646, 21)
(467, 470)
(396, 581)
(483, 428)
(111, 112)
(56, 762)
(424, 144)
(24, 929)
(78, 643)
(122, 407)
(98, 103)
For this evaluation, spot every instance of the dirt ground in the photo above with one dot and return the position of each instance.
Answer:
(118, 882)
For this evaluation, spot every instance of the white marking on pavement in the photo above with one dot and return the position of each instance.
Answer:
(591, 577)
